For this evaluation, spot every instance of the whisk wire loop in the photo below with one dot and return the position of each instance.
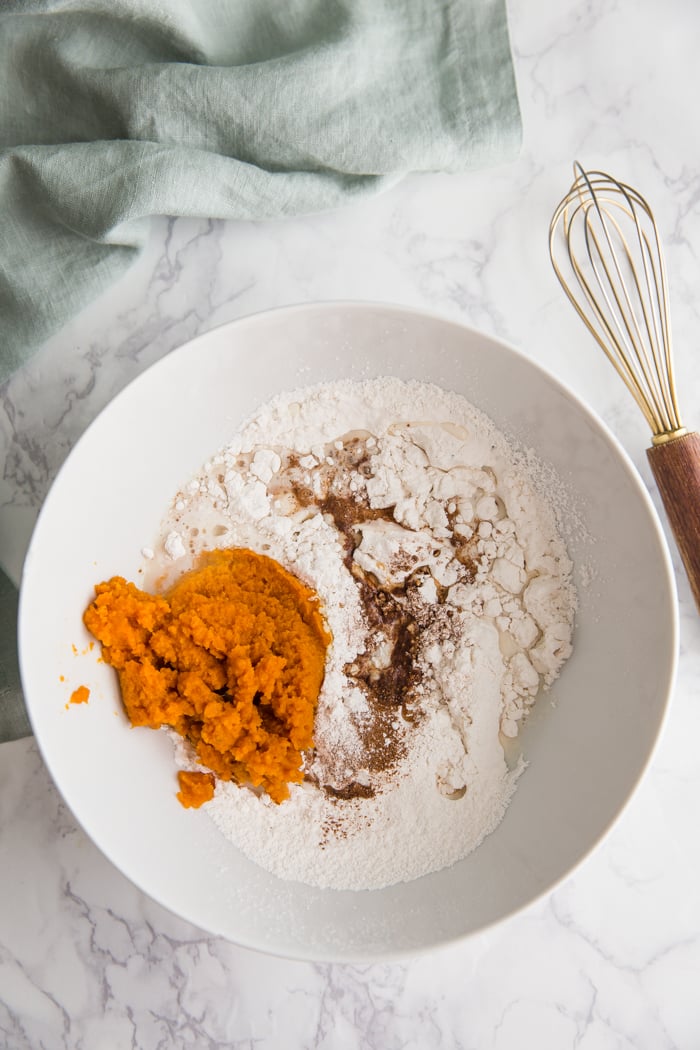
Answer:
(613, 273)
(643, 349)
(608, 334)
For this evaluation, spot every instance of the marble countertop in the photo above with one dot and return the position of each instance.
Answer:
(611, 959)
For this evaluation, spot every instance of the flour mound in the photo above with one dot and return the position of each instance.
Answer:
(447, 590)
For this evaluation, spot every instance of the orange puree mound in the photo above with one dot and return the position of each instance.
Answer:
(195, 788)
(232, 657)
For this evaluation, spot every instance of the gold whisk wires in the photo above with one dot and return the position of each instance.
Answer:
(606, 252)
(609, 263)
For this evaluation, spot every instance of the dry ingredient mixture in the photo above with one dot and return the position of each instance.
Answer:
(447, 592)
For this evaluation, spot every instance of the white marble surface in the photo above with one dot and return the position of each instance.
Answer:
(611, 959)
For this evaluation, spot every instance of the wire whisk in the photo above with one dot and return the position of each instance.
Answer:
(606, 252)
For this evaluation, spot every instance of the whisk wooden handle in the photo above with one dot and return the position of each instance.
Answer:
(676, 467)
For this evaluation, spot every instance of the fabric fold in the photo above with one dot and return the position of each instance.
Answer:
(115, 112)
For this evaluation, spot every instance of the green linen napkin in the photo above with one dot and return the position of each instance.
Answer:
(116, 110)
(13, 717)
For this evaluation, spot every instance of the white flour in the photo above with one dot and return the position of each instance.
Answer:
(448, 594)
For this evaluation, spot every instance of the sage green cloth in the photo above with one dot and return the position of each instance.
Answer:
(13, 717)
(112, 111)
(115, 110)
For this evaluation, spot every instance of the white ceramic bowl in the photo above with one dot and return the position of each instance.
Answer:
(586, 755)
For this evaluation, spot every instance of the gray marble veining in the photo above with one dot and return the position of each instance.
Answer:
(611, 959)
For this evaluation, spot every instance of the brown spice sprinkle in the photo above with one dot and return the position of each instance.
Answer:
(392, 615)
(232, 657)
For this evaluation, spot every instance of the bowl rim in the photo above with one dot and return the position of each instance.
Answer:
(398, 309)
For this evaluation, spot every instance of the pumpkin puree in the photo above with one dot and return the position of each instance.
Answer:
(195, 788)
(232, 657)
